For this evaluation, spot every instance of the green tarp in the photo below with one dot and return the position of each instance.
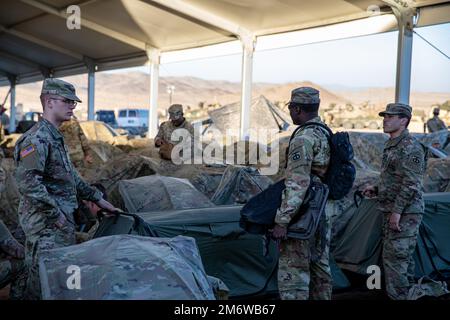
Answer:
(227, 252)
(360, 244)
(238, 258)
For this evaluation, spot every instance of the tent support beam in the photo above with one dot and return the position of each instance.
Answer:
(91, 88)
(154, 60)
(248, 46)
(407, 17)
(12, 115)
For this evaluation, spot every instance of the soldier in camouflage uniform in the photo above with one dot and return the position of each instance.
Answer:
(48, 182)
(304, 271)
(435, 123)
(80, 152)
(400, 198)
(12, 269)
(176, 121)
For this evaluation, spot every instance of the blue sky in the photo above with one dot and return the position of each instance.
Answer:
(367, 61)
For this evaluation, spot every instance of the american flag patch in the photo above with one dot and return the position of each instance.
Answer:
(27, 151)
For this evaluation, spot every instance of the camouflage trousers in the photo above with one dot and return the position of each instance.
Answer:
(302, 276)
(398, 250)
(12, 271)
(46, 239)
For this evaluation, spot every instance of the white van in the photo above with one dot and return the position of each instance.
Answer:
(134, 120)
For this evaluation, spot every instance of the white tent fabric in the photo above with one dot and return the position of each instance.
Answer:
(35, 40)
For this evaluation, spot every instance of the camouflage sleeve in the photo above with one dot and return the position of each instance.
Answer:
(412, 168)
(297, 178)
(85, 191)
(160, 131)
(431, 126)
(4, 232)
(30, 157)
(190, 128)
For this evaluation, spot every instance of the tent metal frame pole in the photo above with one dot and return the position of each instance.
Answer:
(12, 118)
(91, 93)
(154, 56)
(407, 17)
(248, 44)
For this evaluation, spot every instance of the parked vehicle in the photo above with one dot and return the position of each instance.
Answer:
(29, 119)
(106, 116)
(133, 120)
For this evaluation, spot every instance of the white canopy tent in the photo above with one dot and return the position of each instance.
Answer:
(36, 41)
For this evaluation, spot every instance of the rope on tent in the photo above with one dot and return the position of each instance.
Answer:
(432, 45)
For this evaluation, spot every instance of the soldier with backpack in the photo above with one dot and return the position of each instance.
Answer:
(304, 270)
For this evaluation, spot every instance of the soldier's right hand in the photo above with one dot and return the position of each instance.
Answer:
(370, 191)
(13, 248)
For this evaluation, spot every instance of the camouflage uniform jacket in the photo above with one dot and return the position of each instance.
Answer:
(400, 189)
(75, 140)
(166, 129)
(309, 153)
(435, 124)
(46, 179)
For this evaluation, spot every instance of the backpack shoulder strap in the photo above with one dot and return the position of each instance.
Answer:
(320, 125)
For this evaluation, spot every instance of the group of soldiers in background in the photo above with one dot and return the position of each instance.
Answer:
(51, 188)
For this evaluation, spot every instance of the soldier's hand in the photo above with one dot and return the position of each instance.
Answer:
(13, 248)
(88, 158)
(278, 232)
(394, 222)
(108, 206)
(158, 142)
(370, 191)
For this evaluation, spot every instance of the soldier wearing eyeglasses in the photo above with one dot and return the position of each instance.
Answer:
(47, 181)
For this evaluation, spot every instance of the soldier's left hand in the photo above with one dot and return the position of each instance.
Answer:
(107, 206)
(279, 232)
(394, 222)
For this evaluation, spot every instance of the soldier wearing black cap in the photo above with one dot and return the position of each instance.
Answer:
(304, 270)
(400, 199)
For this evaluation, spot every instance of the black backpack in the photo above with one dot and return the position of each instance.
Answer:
(341, 172)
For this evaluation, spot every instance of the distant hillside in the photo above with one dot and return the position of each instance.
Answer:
(125, 90)
(382, 96)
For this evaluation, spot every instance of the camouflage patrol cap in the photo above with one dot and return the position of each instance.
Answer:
(397, 109)
(60, 88)
(176, 108)
(305, 95)
(175, 111)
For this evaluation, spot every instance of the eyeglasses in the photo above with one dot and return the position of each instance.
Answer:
(67, 101)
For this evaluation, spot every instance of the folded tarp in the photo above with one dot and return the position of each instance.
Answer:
(125, 267)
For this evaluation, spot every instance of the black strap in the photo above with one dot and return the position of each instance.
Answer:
(308, 124)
